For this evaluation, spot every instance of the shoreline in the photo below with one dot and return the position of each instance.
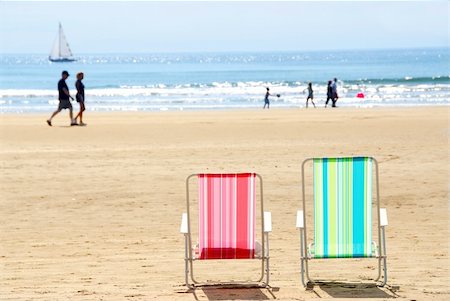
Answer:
(244, 109)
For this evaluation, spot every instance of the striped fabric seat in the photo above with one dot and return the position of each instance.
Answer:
(227, 221)
(342, 208)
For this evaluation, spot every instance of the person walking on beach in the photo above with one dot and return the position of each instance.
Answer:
(310, 95)
(334, 92)
(266, 98)
(329, 93)
(80, 97)
(64, 99)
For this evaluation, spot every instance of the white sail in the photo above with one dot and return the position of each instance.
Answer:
(61, 49)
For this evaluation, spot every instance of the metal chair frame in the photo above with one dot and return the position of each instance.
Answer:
(189, 258)
(380, 253)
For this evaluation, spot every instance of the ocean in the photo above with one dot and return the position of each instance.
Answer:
(194, 81)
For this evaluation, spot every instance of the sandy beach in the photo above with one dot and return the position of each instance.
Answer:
(93, 213)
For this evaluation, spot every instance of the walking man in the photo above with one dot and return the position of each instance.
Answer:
(64, 99)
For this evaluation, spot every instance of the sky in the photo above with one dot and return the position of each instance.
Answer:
(150, 26)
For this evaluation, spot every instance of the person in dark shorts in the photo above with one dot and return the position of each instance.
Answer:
(334, 91)
(329, 93)
(64, 99)
(310, 95)
(80, 97)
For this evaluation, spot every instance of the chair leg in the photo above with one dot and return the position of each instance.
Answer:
(384, 257)
(385, 272)
(186, 262)
(302, 258)
(302, 272)
(267, 260)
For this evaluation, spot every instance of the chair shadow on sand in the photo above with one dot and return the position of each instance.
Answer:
(353, 290)
(238, 293)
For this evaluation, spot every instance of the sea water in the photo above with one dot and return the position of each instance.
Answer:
(180, 81)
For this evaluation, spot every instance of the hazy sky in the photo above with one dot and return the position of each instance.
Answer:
(115, 27)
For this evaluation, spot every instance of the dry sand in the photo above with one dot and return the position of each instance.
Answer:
(93, 213)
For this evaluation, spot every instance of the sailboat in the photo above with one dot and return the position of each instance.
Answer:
(61, 51)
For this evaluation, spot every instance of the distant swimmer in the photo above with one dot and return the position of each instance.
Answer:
(310, 95)
(266, 99)
(64, 99)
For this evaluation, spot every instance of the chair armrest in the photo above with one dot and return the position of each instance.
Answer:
(184, 224)
(300, 223)
(383, 217)
(267, 222)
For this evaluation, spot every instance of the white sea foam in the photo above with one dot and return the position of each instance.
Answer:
(218, 95)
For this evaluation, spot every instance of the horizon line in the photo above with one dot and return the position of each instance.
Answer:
(244, 51)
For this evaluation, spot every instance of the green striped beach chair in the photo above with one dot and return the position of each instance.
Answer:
(343, 202)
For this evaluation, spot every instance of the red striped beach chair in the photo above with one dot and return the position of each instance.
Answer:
(227, 215)
(343, 201)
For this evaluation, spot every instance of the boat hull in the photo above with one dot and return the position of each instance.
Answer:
(61, 60)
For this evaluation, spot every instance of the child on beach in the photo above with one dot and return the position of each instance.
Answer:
(310, 95)
(266, 98)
